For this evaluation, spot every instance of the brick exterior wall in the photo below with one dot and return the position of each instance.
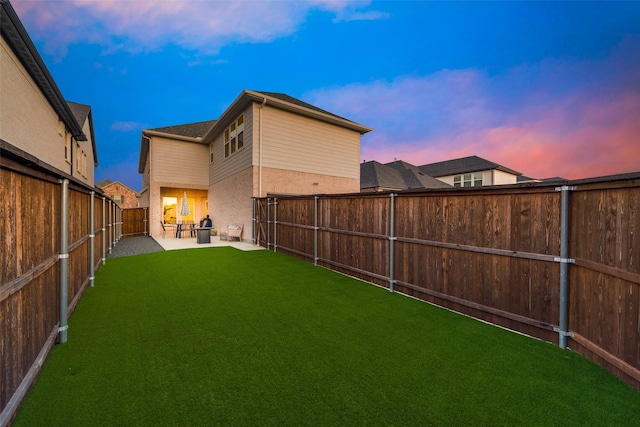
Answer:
(129, 199)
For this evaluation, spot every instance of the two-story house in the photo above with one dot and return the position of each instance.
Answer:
(472, 171)
(263, 143)
(35, 119)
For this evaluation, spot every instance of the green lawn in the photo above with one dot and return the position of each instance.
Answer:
(223, 337)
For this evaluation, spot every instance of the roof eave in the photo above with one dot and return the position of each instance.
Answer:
(250, 96)
(171, 136)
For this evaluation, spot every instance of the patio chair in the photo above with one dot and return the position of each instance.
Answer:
(234, 230)
(164, 228)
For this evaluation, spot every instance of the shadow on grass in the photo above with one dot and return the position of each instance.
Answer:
(223, 337)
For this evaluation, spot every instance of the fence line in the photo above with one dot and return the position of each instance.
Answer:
(558, 263)
(37, 291)
(134, 222)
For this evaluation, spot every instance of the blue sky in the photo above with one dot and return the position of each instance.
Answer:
(545, 88)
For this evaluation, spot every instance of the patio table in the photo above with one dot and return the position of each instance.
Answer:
(185, 226)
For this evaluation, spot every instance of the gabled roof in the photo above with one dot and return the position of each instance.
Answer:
(463, 165)
(104, 183)
(395, 176)
(188, 132)
(107, 183)
(191, 130)
(414, 177)
(82, 113)
(294, 101)
(16, 36)
(283, 102)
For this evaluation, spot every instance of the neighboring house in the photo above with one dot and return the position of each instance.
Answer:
(471, 171)
(35, 119)
(83, 153)
(395, 176)
(122, 195)
(263, 144)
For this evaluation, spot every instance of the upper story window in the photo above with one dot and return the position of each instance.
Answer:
(234, 137)
(468, 180)
(67, 147)
(210, 153)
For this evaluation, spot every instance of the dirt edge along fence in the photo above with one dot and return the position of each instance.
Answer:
(558, 262)
(56, 234)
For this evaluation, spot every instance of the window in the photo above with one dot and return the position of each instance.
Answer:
(78, 159)
(67, 147)
(468, 180)
(118, 198)
(234, 137)
(210, 153)
(84, 164)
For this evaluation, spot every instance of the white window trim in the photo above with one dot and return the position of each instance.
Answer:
(231, 144)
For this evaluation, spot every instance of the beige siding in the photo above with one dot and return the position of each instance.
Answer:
(503, 178)
(222, 168)
(489, 177)
(27, 121)
(86, 148)
(298, 143)
(179, 163)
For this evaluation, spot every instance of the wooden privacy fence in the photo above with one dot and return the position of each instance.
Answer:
(134, 222)
(561, 263)
(55, 233)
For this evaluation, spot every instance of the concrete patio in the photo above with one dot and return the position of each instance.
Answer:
(170, 243)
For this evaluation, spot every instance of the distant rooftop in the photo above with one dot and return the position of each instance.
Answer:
(463, 165)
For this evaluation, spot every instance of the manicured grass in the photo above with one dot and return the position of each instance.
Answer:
(222, 337)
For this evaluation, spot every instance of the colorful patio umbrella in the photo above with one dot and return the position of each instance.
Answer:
(184, 210)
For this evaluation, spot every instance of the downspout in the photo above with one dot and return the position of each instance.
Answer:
(64, 260)
(264, 102)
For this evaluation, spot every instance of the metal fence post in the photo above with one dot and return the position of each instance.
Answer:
(110, 225)
(564, 260)
(92, 235)
(64, 259)
(104, 231)
(253, 220)
(268, 222)
(275, 224)
(145, 221)
(315, 231)
(392, 239)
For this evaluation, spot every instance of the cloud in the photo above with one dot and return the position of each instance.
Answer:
(143, 25)
(554, 118)
(127, 126)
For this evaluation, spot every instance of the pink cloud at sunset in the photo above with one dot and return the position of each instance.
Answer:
(555, 118)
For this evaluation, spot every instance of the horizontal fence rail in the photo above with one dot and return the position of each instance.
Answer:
(56, 235)
(558, 263)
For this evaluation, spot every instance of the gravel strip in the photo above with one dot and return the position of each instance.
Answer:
(135, 246)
